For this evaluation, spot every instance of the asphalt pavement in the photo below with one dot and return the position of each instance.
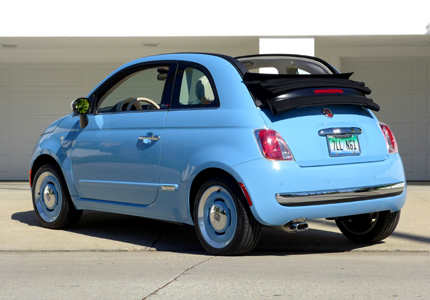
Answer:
(20, 231)
(111, 256)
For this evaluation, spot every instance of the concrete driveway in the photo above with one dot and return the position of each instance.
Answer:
(21, 231)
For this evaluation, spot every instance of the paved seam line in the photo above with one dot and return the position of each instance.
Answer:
(177, 277)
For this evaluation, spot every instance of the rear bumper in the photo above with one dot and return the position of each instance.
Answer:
(284, 191)
(340, 195)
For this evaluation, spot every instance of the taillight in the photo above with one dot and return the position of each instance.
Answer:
(328, 91)
(389, 138)
(273, 145)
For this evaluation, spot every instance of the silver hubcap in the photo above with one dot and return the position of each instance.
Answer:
(49, 196)
(218, 216)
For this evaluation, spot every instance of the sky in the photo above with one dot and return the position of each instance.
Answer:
(219, 18)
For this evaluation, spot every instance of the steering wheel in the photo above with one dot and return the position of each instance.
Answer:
(128, 104)
(149, 101)
(134, 105)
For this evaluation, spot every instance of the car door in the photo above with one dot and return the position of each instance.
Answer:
(117, 156)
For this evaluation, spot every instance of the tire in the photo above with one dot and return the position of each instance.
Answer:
(51, 199)
(369, 228)
(223, 222)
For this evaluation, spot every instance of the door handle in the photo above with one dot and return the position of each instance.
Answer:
(150, 137)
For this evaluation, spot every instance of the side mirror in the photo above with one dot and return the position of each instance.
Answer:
(81, 106)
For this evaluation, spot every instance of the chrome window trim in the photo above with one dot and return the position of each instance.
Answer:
(340, 195)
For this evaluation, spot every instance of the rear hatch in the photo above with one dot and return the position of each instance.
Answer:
(322, 114)
(349, 135)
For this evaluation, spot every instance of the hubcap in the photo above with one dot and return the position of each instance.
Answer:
(49, 196)
(218, 216)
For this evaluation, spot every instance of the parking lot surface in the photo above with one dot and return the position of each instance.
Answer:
(111, 256)
(96, 231)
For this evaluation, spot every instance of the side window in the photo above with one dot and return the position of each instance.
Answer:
(195, 89)
(142, 90)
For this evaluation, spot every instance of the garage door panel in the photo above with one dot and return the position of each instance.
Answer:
(410, 135)
(428, 164)
(399, 102)
(386, 76)
(428, 103)
(428, 74)
(4, 77)
(19, 135)
(428, 134)
(5, 105)
(97, 74)
(401, 86)
(415, 165)
(14, 165)
(5, 165)
(5, 134)
(404, 133)
(32, 96)
(46, 105)
(30, 131)
(21, 161)
(420, 166)
(58, 76)
(408, 163)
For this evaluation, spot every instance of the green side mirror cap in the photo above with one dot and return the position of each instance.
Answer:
(80, 106)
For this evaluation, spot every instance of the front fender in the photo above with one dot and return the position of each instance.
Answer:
(56, 145)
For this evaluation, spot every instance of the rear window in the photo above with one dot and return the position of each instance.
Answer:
(287, 82)
(283, 65)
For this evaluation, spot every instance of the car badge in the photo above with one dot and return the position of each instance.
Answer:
(327, 112)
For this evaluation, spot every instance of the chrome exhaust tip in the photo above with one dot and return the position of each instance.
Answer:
(296, 225)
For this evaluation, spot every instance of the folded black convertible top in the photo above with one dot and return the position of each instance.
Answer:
(281, 92)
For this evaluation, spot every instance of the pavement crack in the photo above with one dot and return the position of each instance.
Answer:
(177, 277)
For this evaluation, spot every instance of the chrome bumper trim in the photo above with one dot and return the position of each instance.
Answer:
(340, 196)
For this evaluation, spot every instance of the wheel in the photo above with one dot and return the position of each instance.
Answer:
(51, 199)
(223, 222)
(369, 228)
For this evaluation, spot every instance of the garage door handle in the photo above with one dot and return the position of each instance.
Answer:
(151, 138)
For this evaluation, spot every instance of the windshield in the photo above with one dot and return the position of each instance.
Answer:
(292, 65)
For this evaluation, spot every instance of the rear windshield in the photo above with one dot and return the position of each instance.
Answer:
(287, 82)
(284, 65)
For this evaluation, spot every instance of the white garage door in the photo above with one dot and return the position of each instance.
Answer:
(401, 86)
(32, 95)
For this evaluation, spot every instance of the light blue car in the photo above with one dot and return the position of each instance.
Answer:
(228, 145)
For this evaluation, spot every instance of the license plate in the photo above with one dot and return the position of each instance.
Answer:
(342, 145)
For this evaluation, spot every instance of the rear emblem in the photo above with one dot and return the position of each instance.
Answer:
(327, 112)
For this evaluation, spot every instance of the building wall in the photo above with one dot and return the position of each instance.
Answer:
(398, 73)
(38, 82)
(40, 78)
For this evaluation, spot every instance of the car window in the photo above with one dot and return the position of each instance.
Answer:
(283, 65)
(142, 90)
(195, 89)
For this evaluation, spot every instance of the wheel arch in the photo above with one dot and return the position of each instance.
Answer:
(202, 177)
(39, 162)
(47, 158)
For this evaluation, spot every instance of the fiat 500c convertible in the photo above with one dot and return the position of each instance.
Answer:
(225, 144)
